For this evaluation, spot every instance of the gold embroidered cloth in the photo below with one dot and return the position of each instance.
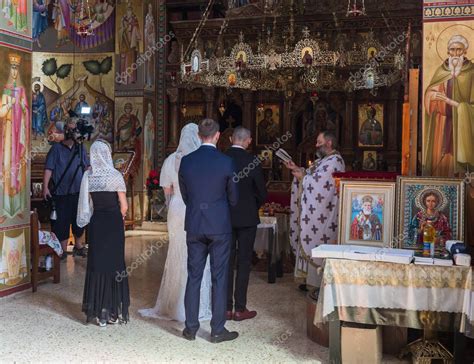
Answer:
(341, 271)
(390, 294)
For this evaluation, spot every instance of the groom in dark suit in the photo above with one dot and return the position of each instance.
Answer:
(252, 195)
(205, 180)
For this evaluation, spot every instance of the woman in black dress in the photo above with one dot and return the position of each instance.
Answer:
(103, 205)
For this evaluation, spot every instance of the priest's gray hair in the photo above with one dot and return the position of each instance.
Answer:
(240, 134)
(458, 39)
(329, 135)
(208, 128)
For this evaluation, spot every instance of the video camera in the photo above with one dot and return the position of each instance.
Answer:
(77, 129)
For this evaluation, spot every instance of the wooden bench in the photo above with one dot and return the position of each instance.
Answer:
(38, 251)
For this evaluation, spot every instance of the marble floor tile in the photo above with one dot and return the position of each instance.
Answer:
(48, 326)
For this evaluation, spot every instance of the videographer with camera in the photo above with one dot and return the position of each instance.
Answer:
(65, 165)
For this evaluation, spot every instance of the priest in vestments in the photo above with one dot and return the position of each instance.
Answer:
(314, 207)
(449, 115)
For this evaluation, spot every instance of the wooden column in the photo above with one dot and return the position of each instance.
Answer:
(173, 118)
(410, 123)
(347, 131)
(247, 112)
(290, 145)
(392, 118)
(210, 109)
(414, 90)
(287, 116)
(393, 130)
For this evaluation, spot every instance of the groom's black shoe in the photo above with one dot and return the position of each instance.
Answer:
(224, 336)
(188, 335)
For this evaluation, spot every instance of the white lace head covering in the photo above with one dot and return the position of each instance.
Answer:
(188, 142)
(102, 178)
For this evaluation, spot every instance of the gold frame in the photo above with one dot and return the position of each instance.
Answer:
(127, 161)
(436, 181)
(389, 191)
(260, 116)
(380, 117)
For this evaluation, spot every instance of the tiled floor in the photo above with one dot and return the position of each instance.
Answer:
(48, 326)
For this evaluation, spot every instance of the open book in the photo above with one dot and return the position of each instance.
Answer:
(283, 155)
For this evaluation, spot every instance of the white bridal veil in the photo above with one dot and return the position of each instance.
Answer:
(102, 178)
(188, 142)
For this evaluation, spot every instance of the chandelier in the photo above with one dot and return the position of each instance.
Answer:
(84, 19)
(355, 8)
(308, 66)
(243, 68)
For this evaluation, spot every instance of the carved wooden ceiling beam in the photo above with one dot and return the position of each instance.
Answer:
(316, 23)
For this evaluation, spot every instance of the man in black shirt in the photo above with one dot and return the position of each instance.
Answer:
(244, 216)
(66, 191)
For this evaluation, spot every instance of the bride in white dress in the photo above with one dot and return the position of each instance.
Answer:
(170, 301)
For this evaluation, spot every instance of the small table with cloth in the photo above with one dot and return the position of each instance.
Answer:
(272, 237)
(408, 295)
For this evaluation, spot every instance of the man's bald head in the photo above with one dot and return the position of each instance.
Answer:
(241, 136)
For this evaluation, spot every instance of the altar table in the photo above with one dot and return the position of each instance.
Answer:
(406, 295)
(273, 238)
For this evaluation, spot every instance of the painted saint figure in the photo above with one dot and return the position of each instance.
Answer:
(240, 63)
(13, 262)
(195, 64)
(449, 114)
(97, 114)
(267, 128)
(150, 41)
(369, 163)
(366, 225)
(307, 58)
(431, 201)
(97, 110)
(237, 3)
(78, 109)
(14, 113)
(39, 116)
(129, 45)
(149, 138)
(371, 132)
(40, 20)
(16, 13)
(128, 130)
(61, 20)
(100, 8)
(56, 113)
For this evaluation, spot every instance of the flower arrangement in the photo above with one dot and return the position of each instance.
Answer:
(153, 182)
